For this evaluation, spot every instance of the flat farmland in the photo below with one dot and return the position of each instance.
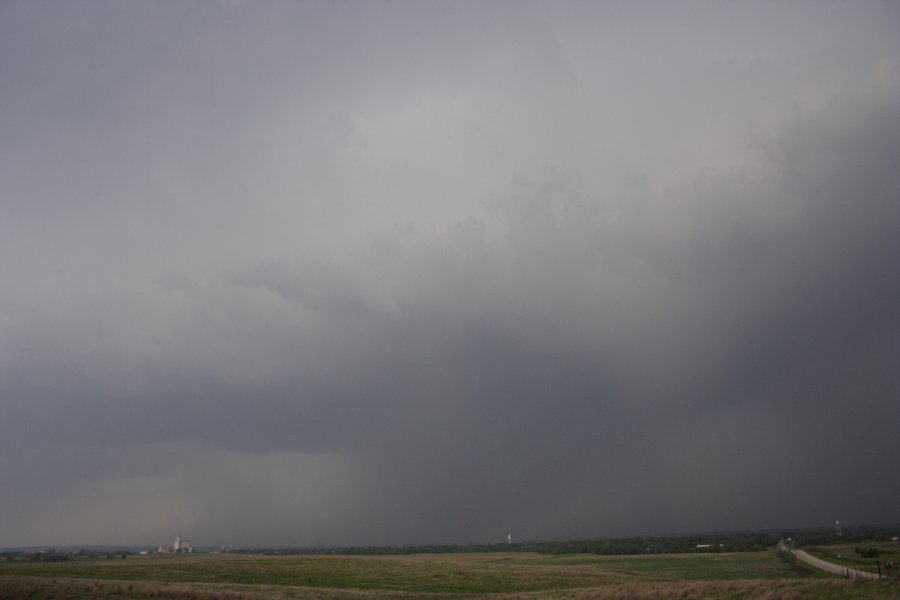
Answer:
(494, 575)
(844, 554)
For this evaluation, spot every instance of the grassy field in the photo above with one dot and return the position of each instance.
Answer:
(843, 554)
(513, 575)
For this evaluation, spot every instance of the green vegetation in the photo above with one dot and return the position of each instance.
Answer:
(872, 556)
(488, 575)
(656, 544)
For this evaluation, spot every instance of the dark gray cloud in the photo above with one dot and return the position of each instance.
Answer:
(395, 273)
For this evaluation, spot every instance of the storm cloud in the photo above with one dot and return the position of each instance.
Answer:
(399, 272)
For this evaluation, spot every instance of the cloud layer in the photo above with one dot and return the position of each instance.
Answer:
(401, 273)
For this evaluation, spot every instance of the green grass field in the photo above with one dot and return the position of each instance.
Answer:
(843, 554)
(495, 575)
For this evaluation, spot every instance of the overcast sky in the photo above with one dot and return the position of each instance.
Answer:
(379, 272)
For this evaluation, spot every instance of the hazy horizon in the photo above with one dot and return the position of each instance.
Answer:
(395, 272)
(202, 547)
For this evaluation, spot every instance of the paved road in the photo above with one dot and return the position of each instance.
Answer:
(827, 566)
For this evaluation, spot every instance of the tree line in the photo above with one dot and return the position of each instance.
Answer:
(659, 544)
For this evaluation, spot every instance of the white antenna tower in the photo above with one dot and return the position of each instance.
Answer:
(837, 529)
(509, 538)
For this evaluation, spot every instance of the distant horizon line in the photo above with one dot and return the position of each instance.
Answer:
(720, 532)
